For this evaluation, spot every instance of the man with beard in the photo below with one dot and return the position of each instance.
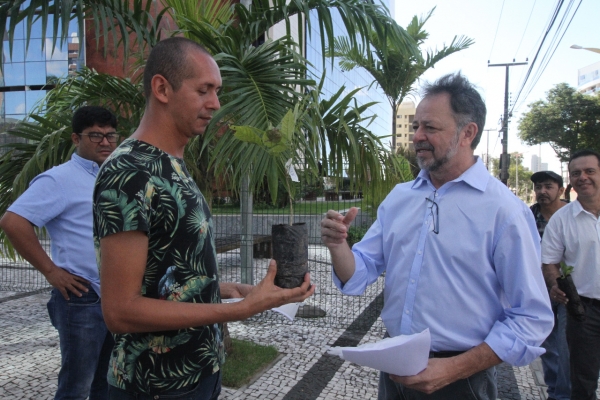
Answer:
(548, 188)
(461, 255)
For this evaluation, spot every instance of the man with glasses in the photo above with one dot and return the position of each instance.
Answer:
(61, 200)
(461, 255)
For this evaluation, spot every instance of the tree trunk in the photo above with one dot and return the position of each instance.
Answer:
(394, 123)
(227, 340)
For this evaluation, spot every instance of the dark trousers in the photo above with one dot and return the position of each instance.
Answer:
(480, 386)
(584, 347)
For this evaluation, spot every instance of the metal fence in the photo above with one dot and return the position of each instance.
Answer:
(328, 307)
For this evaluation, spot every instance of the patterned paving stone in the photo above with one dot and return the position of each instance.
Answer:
(30, 356)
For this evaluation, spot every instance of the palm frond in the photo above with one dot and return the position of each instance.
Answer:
(88, 87)
(393, 66)
(114, 21)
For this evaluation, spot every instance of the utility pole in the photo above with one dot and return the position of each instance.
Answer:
(517, 157)
(487, 151)
(504, 160)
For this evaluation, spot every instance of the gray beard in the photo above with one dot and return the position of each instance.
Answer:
(436, 164)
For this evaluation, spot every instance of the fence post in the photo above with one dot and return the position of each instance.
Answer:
(246, 239)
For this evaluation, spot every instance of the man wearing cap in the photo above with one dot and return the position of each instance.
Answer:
(548, 188)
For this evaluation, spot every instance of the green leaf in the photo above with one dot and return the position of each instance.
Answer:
(248, 134)
(565, 270)
(277, 149)
(288, 124)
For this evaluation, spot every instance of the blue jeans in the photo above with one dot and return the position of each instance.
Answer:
(479, 386)
(208, 388)
(555, 361)
(85, 345)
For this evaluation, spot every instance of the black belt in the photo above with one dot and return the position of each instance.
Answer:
(444, 354)
(591, 302)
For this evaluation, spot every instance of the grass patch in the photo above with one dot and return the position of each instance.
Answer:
(247, 359)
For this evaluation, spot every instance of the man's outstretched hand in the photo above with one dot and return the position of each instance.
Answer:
(334, 227)
(267, 295)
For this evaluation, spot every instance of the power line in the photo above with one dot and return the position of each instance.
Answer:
(546, 60)
(497, 26)
(525, 30)
(553, 44)
(551, 23)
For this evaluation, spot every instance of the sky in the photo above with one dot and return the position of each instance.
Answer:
(504, 30)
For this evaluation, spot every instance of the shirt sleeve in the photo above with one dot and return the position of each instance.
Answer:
(368, 260)
(528, 317)
(553, 245)
(41, 202)
(122, 201)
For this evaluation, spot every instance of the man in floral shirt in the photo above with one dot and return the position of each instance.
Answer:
(154, 237)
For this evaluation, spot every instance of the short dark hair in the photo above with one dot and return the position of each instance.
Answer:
(169, 59)
(466, 102)
(584, 153)
(88, 116)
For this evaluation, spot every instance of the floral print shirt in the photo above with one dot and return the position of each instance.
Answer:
(140, 187)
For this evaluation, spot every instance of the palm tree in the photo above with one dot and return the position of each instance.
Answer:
(261, 81)
(393, 67)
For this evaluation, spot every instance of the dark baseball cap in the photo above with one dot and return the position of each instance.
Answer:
(542, 176)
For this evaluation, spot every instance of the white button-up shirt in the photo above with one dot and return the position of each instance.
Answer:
(573, 236)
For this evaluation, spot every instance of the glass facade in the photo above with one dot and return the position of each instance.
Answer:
(356, 78)
(27, 71)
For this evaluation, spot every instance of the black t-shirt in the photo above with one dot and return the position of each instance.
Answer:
(140, 187)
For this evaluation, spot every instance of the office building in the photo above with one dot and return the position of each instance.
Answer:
(404, 130)
(536, 163)
(30, 71)
(588, 79)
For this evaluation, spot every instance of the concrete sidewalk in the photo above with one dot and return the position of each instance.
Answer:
(30, 360)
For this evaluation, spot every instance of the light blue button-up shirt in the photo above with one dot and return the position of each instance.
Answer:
(478, 280)
(61, 200)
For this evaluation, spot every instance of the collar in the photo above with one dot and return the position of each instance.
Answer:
(477, 176)
(89, 165)
(577, 208)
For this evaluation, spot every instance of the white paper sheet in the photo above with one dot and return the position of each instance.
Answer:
(403, 355)
(291, 171)
(287, 310)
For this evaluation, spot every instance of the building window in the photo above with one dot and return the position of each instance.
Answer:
(27, 71)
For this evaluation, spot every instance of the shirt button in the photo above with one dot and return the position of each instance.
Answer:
(435, 194)
(406, 311)
(412, 281)
(420, 252)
